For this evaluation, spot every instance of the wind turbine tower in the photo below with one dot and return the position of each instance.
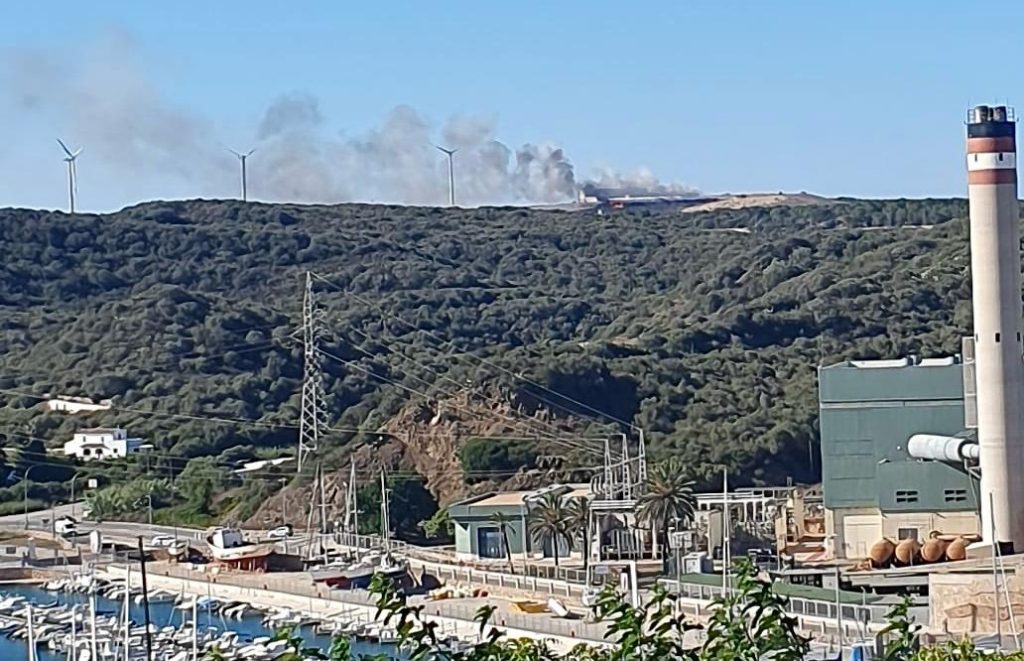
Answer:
(70, 159)
(450, 153)
(241, 159)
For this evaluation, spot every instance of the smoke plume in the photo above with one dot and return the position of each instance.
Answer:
(110, 107)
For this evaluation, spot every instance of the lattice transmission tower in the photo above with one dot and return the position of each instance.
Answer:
(313, 416)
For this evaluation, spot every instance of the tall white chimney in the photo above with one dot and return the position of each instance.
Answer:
(998, 325)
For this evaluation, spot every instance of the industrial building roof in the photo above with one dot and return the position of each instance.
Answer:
(515, 499)
(901, 379)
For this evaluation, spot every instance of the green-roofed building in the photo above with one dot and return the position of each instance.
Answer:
(872, 487)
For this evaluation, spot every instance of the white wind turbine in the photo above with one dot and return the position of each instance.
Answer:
(450, 153)
(72, 172)
(241, 159)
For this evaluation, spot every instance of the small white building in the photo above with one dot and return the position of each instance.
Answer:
(102, 443)
(72, 405)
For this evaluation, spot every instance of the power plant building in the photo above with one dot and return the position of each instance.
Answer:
(873, 486)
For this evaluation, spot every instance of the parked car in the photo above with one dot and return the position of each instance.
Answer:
(162, 541)
(280, 532)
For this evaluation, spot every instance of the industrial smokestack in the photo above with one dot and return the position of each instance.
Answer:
(995, 271)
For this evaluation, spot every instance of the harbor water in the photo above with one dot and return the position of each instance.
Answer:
(161, 615)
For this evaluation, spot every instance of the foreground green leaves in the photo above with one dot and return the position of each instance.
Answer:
(749, 625)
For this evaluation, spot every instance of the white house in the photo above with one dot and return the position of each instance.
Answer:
(72, 405)
(102, 443)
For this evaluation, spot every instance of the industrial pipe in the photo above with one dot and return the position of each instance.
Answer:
(936, 447)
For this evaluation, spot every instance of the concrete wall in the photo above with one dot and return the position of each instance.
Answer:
(960, 523)
(465, 544)
(836, 530)
(964, 603)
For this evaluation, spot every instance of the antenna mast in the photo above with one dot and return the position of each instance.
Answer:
(314, 406)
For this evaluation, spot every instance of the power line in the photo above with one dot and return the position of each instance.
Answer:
(483, 361)
(493, 399)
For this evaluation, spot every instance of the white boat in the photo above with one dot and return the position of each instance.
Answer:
(228, 545)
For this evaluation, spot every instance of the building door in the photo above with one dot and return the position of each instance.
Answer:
(860, 532)
(489, 543)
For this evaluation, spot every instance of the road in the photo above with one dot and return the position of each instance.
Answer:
(123, 532)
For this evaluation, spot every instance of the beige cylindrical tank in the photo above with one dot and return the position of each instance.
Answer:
(881, 553)
(957, 549)
(907, 551)
(934, 550)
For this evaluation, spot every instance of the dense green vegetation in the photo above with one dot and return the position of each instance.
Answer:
(703, 329)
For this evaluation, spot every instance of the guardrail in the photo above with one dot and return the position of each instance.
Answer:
(450, 609)
(500, 580)
(851, 613)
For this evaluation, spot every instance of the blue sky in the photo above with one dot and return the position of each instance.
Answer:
(863, 99)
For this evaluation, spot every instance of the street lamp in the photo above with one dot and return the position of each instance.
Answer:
(25, 478)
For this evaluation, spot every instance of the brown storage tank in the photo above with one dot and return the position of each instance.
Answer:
(907, 551)
(957, 549)
(881, 553)
(934, 550)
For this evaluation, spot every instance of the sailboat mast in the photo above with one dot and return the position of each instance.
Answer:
(92, 622)
(127, 612)
(726, 559)
(74, 633)
(31, 633)
(385, 523)
(323, 514)
(353, 499)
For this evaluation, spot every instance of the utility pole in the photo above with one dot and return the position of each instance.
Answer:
(839, 614)
(314, 407)
(145, 601)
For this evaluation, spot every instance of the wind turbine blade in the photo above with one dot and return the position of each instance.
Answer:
(77, 152)
(251, 151)
(233, 152)
(64, 147)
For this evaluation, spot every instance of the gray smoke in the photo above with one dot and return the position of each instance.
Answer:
(112, 109)
(639, 183)
(109, 107)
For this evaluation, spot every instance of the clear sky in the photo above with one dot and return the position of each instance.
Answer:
(856, 98)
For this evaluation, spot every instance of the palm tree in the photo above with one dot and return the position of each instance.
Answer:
(667, 495)
(549, 522)
(578, 519)
(501, 520)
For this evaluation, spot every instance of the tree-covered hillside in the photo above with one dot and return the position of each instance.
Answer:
(703, 329)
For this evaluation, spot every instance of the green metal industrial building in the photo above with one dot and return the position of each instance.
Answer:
(872, 487)
(478, 537)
